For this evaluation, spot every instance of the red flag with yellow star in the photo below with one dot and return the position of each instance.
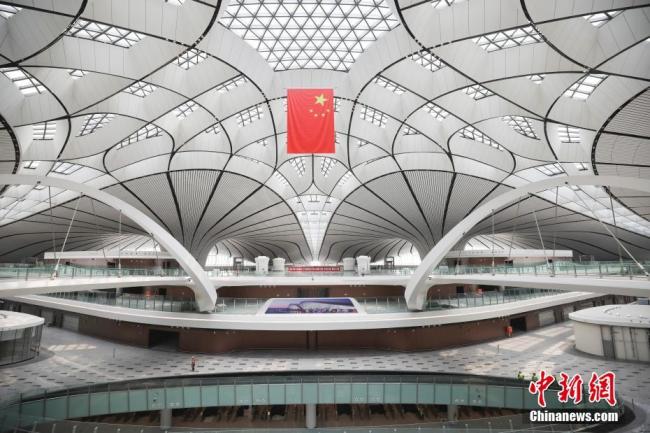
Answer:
(310, 121)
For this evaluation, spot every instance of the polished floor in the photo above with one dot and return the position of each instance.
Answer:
(70, 359)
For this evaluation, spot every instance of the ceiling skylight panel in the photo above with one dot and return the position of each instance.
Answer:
(585, 86)
(537, 78)
(147, 131)
(250, 115)
(428, 61)
(77, 73)
(299, 165)
(185, 109)
(435, 111)
(508, 38)
(93, 122)
(312, 34)
(326, 165)
(281, 178)
(601, 18)
(581, 166)
(441, 4)
(104, 33)
(141, 89)
(43, 131)
(345, 178)
(31, 165)
(373, 116)
(389, 85)
(233, 83)
(551, 169)
(568, 134)
(213, 129)
(521, 125)
(27, 84)
(65, 168)
(407, 130)
(7, 11)
(472, 133)
(477, 92)
(190, 58)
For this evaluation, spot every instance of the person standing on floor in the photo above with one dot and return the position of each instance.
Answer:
(193, 363)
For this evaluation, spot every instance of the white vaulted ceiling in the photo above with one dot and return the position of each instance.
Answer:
(179, 108)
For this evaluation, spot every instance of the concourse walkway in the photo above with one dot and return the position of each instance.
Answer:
(69, 359)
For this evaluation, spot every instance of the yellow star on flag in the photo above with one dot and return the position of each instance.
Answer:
(320, 99)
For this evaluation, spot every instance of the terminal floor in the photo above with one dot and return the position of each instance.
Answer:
(71, 359)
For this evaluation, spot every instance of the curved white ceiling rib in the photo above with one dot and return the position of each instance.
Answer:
(430, 102)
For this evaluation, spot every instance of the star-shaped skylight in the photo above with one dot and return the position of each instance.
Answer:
(309, 34)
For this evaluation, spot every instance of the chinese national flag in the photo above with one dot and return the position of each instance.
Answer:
(310, 121)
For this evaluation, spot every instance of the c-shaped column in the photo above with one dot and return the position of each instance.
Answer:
(204, 291)
(417, 287)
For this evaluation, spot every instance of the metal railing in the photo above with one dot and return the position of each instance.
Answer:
(371, 305)
(605, 269)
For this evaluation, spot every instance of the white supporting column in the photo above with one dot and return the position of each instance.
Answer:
(348, 263)
(278, 264)
(165, 419)
(310, 416)
(363, 265)
(452, 412)
(262, 264)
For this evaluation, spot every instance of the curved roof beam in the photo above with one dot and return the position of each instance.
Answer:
(417, 286)
(206, 295)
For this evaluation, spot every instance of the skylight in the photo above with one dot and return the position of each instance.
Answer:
(65, 168)
(104, 33)
(27, 84)
(472, 133)
(249, 115)
(190, 58)
(141, 89)
(299, 165)
(441, 4)
(77, 73)
(32, 165)
(581, 166)
(309, 34)
(521, 125)
(537, 78)
(508, 39)
(147, 131)
(281, 178)
(585, 86)
(407, 130)
(345, 178)
(389, 85)
(227, 86)
(93, 122)
(362, 143)
(427, 60)
(373, 116)
(434, 110)
(213, 129)
(185, 109)
(477, 92)
(44, 131)
(551, 169)
(326, 165)
(601, 18)
(7, 11)
(568, 134)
